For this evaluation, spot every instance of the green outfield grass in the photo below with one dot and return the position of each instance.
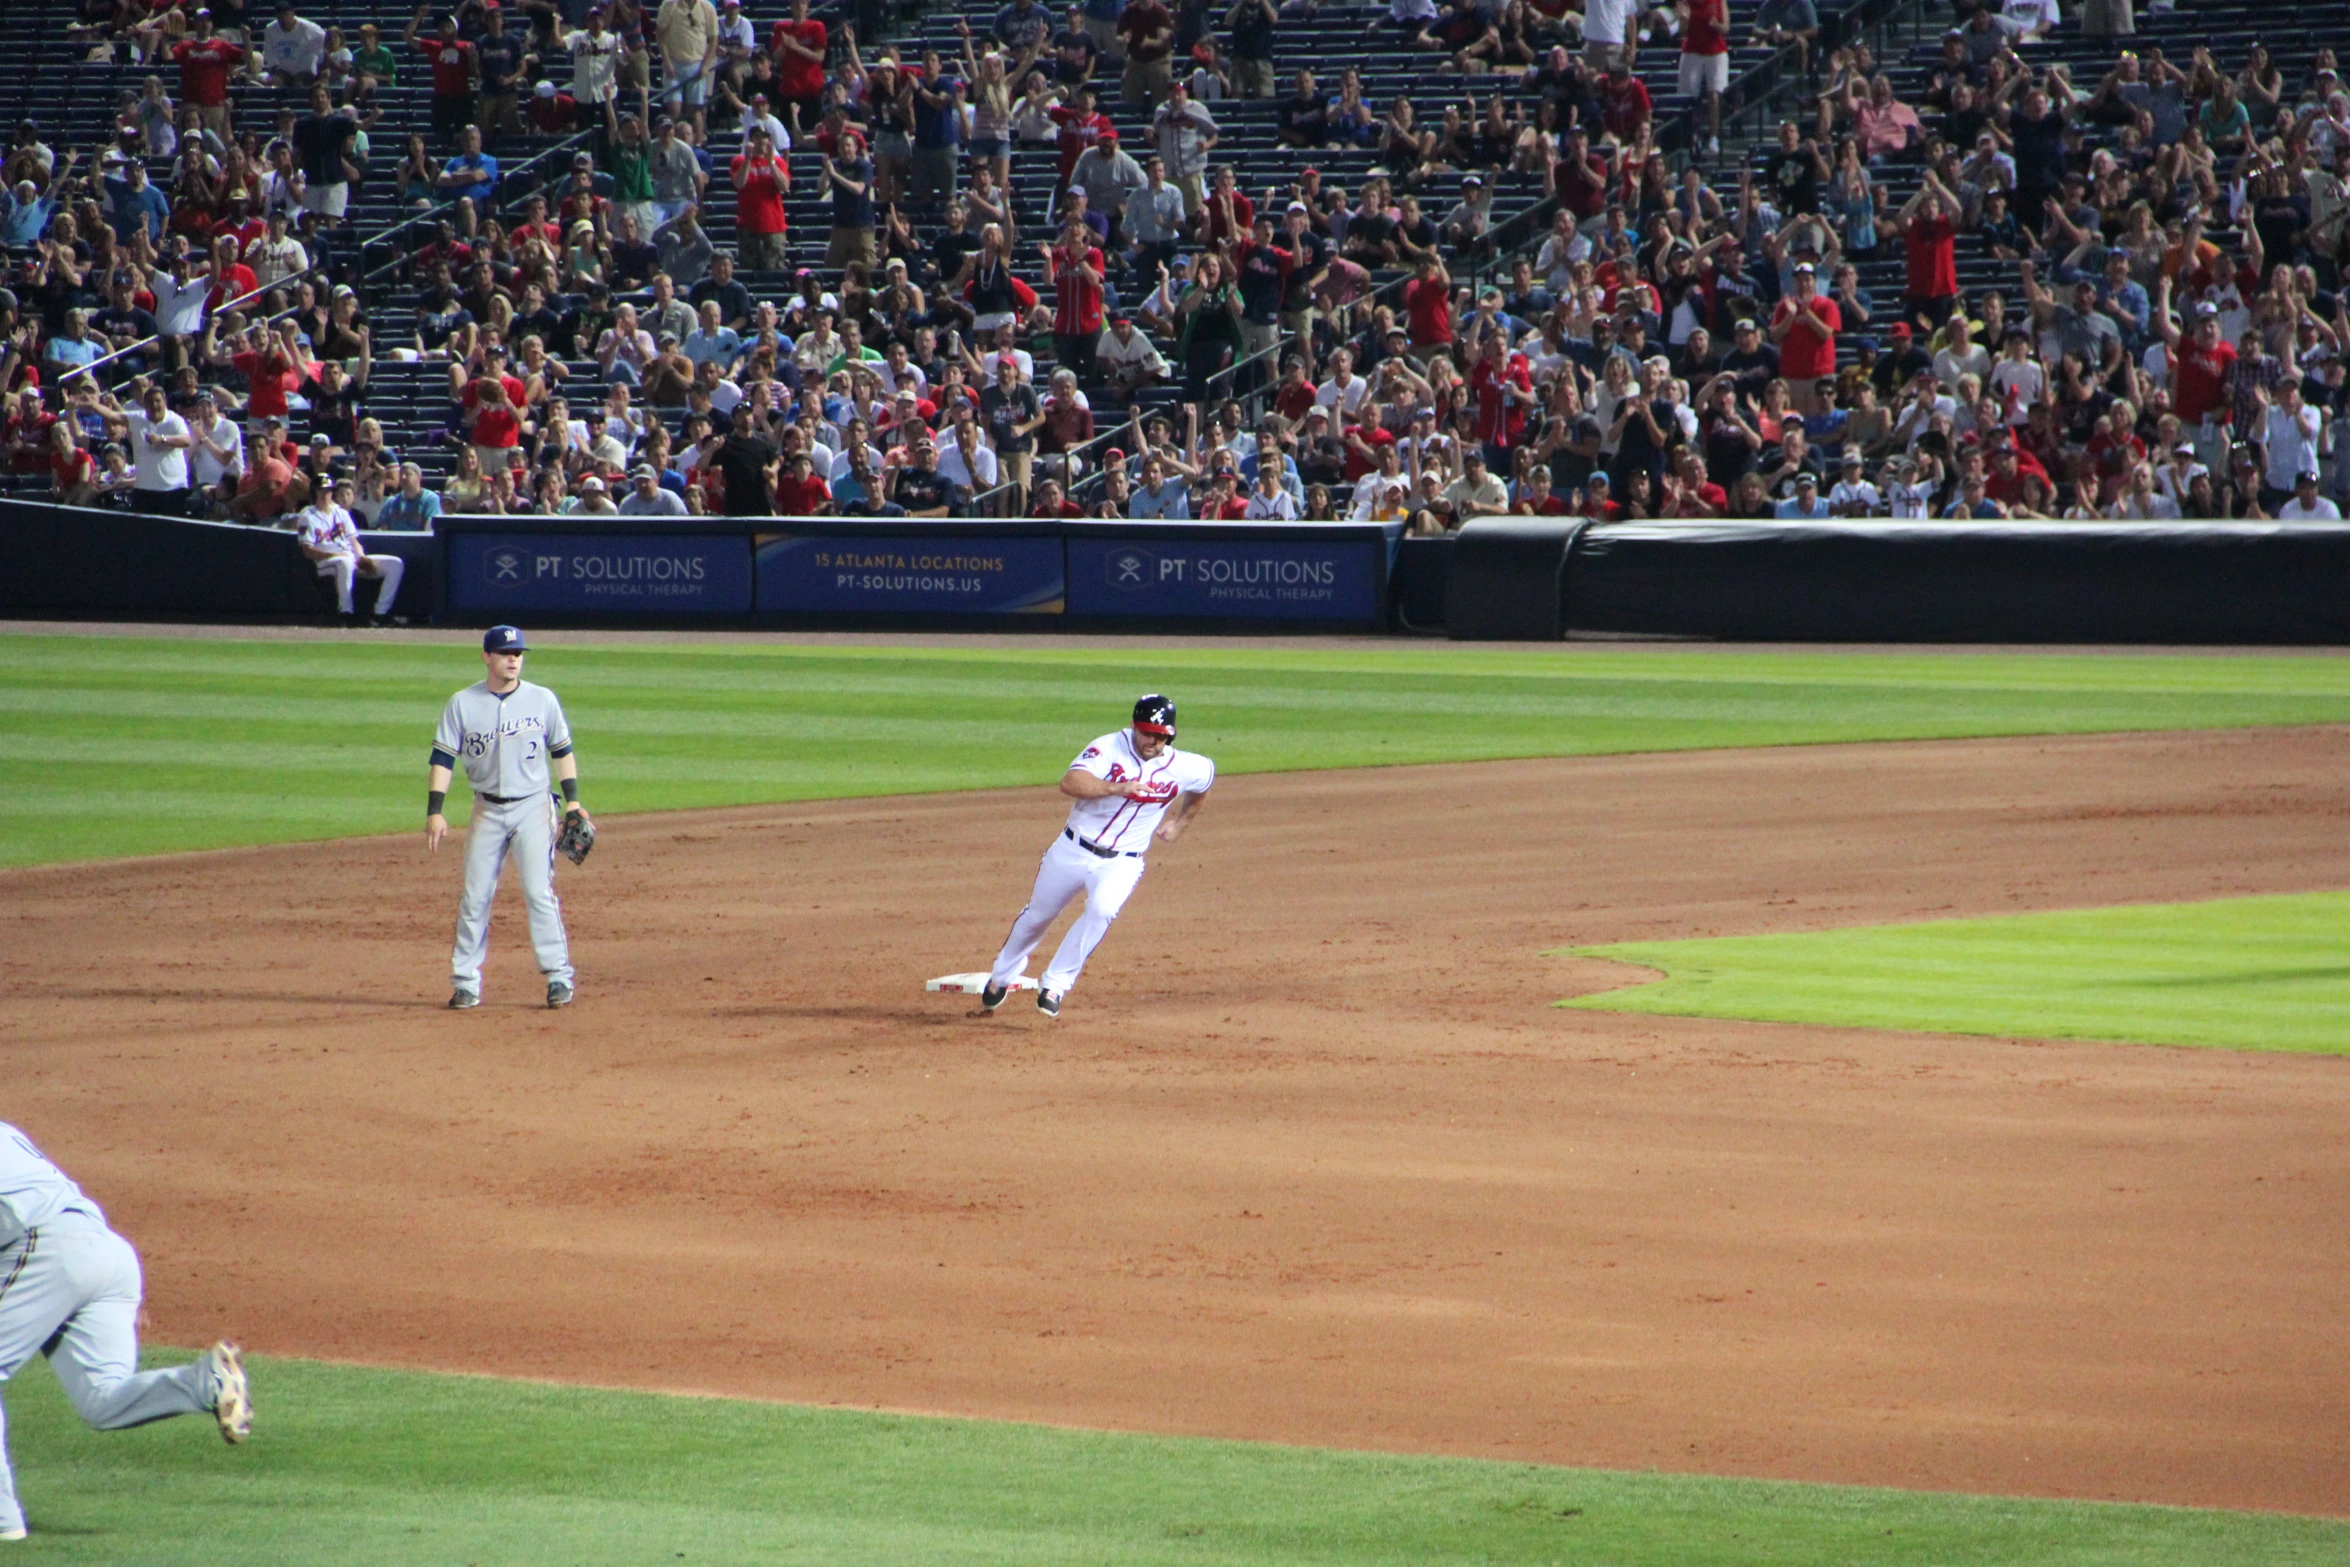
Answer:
(349, 1467)
(2268, 973)
(112, 746)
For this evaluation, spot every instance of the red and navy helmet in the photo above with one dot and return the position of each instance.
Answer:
(1155, 715)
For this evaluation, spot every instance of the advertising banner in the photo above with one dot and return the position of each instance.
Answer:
(928, 574)
(624, 573)
(1233, 578)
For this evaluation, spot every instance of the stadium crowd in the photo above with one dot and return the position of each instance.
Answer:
(2166, 337)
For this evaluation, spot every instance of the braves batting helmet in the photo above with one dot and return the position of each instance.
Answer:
(1155, 715)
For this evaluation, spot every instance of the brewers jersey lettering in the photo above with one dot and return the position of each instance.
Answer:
(502, 744)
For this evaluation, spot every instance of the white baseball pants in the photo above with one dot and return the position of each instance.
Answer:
(72, 1287)
(1065, 872)
(525, 829)
(345, 570)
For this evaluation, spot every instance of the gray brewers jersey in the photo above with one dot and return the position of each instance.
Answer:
(33, 1192)
(503, 742)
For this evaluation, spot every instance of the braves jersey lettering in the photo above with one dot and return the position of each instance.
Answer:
(1118, 822)
(503, 743)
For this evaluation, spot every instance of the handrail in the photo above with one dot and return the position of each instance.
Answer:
(1775, 75)
(146, 344)
(1477, 274)
(500, 201)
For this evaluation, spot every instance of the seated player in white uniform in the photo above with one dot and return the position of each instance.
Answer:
(1130, 788)
(70, 1289)
(331, 540)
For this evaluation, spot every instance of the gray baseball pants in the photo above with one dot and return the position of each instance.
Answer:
(525, 829)
(70, 1289)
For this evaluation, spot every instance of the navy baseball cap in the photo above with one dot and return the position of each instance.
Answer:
(504, 639)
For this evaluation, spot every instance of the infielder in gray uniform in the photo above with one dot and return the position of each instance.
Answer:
(69, 1289)
(507, 733)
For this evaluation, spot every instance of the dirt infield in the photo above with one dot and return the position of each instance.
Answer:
(1307, 1158)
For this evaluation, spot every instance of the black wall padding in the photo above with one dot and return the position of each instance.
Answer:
(1878, 580)
(1503, 582)
(75, 559)
(1417, 586)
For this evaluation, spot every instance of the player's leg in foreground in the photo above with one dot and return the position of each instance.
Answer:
(73, 1292)
(1065, 873)
(534, 862)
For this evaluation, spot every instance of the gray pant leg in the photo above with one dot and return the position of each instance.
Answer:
(534, 861)
(97, 1353)
(485, 856)
(80, 1288)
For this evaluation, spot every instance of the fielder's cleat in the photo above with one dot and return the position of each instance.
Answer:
(1049, 1002)
(558, 994)
(232, 1400)
(459, 1000)
(992, 995)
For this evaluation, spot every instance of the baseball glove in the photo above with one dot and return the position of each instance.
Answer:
(578, 835)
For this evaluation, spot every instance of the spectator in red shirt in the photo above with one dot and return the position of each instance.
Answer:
(1804, 327)
(1050, 504)
(2200, 360)
(1577, 177)
(1503, 387)
(206, 62)
(1427, 304)
(798, 46)
(1074, 268)
(1624, 107)
(1688, 492)
(273, 365)
(798, 492)
(231, 278)
(496, 434)
(1148, 28)
(1068, 423)
(454, 70)
(1929, 236)
(1229, 214)
(1081, 126)
(1705, 62)
(760, 180)
(551, 111)
(1537, 498)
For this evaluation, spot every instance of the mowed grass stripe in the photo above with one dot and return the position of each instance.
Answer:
(354, 1468)
(2265, 973)
(112, 746)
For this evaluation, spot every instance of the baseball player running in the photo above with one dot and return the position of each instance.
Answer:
(1129, 787)
(508, 733)
(70, 1289)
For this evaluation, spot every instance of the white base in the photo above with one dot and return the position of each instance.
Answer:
(973, 984)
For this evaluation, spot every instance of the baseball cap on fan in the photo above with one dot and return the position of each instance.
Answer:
(504, 639)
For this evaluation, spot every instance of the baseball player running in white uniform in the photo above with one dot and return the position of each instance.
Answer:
(508, 734)
(70, 1289)
(331, 540)
(1130, 788)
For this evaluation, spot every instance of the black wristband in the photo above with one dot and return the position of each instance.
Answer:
(570, 790)
(434, 799)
